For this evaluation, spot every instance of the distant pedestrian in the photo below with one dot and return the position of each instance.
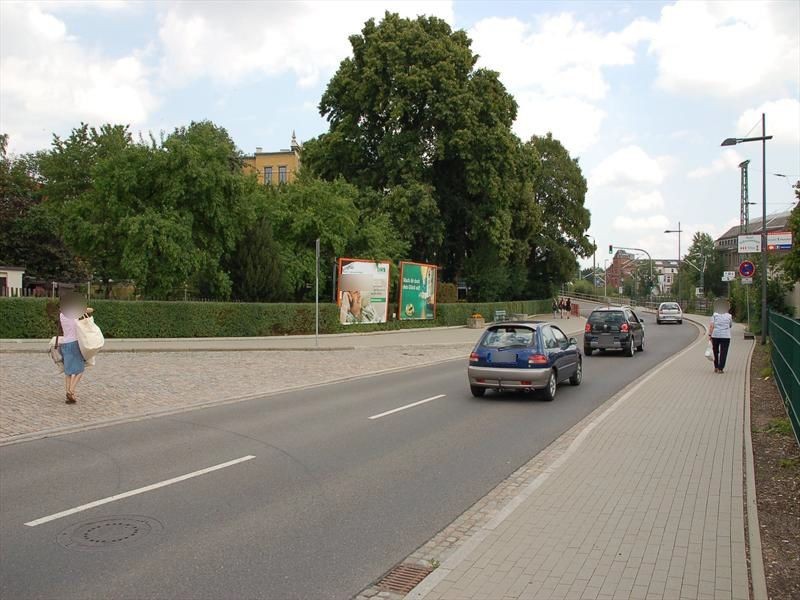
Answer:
(561, 308)
(719, 332)
(555, 308)
(568, 306)
(72, 308)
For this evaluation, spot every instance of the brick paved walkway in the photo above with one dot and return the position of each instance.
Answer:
(645, 503)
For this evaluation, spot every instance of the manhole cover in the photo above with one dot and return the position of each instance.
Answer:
(403, 578)
(124, 530)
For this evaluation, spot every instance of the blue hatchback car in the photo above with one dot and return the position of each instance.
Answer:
(525, 355)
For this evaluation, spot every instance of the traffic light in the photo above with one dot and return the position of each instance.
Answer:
(611, 249)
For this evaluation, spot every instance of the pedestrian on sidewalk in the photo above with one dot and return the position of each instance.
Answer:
(719, 332)
(72, 308)
(561, 308)
(568, 306)
(555, 308)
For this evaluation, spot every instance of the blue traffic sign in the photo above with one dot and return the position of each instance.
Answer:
(747, 269)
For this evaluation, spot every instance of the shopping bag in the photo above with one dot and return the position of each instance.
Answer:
(55, 354)
(90, 338)
(709, 352)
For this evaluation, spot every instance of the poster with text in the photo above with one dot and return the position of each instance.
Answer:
(417, 291)
(363, 291)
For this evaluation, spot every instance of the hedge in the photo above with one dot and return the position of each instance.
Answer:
(27, 318)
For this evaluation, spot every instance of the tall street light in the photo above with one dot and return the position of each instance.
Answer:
(677, 276)
(764, 265)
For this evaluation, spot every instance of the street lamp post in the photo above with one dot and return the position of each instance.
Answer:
(764, 264)
(677, 275)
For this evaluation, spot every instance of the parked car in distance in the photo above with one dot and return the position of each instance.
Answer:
(613, 328)
(524, 355)
(669, 312)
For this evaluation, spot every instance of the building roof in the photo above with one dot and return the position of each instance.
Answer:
(775, 222)
(8, 268)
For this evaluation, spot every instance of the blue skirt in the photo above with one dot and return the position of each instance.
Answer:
(73, 359)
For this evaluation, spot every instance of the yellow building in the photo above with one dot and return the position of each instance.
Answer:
(273, 168)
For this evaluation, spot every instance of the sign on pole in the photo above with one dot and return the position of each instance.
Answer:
(779, 240)
(749, 244)
(728, 275)
(747, 269)
(747, 280)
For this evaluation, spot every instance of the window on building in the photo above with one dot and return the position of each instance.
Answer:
(267, 175)
(282, 174)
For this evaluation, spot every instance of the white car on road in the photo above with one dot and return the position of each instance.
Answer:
(669, 312)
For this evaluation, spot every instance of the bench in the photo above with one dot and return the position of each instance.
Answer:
(500, 315)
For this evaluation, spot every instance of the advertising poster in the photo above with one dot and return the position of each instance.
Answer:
(417, 291)
(779, 240)
(363, 292)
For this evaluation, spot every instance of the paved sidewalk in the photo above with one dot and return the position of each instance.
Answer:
(128, 385)
(642, 500)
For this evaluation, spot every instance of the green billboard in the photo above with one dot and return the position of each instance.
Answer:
(417, 291)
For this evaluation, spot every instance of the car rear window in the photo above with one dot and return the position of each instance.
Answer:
(607, 317)
(670, 306)
(508, 336)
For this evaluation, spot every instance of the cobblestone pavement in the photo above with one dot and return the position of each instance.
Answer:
(135, 384)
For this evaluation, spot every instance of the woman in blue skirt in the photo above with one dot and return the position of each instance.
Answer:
(72, 308)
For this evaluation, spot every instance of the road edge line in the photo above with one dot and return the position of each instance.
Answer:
(454, 560)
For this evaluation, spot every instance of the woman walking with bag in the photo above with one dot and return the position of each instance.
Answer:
(72, 309)
(719, 332)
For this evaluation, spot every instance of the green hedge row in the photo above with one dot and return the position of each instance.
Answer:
(27, 318)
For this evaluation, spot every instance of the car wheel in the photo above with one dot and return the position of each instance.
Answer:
(552, 386)
(478, 392)
(631, 350)
(587, 351)
(680, 322)
(658, 321)
(640, 347)
(577, 376)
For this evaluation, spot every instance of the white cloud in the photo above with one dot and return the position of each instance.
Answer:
(554, 67)
(782, 119)
(628, 167)
(50, 79)
(574, 122)
(729, 160)
(624, 223)
(723, 48)
(228, 42)
(644, 202)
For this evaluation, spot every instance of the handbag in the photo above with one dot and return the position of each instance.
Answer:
(55, 354)
(90, 338)
(709, 351)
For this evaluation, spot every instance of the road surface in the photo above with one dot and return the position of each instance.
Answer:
(300, 495)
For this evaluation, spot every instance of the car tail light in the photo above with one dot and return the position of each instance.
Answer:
(537, 359)
(526, 383)
(588, 328)
(624, 328)
(473, 357)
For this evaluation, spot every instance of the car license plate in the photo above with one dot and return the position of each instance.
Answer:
(504, 357)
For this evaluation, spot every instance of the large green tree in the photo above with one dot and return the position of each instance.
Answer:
(30, 233)
(702, 257)
(412, 119)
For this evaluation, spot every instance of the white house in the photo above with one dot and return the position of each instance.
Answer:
(11, 280)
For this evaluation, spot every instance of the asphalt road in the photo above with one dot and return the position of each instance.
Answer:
(331, 500)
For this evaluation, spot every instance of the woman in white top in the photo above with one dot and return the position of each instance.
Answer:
(719, 332)
(72, 309)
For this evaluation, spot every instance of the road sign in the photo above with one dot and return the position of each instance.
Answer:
(747, 269)
(749, 244)
(728, 275)
(747, 280)
(779, 240)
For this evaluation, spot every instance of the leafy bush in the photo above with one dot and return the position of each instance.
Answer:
(28, 318)
(448, 293)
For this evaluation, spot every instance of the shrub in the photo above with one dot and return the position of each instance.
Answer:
(28, 318)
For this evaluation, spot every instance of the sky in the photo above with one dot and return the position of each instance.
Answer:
(642, 93)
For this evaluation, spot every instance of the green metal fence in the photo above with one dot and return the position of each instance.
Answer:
(784, 333)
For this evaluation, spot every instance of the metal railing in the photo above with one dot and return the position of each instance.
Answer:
(784, 333)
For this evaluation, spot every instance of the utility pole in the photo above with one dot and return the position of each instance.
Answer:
(744, 208)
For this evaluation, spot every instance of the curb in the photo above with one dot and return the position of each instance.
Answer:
(758, 581)
(31, 350)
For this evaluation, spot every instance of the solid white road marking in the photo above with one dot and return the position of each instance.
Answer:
(140, 490)
(413, 404)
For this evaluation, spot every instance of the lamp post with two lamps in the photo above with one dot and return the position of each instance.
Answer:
(677, 275)
(764, 264)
